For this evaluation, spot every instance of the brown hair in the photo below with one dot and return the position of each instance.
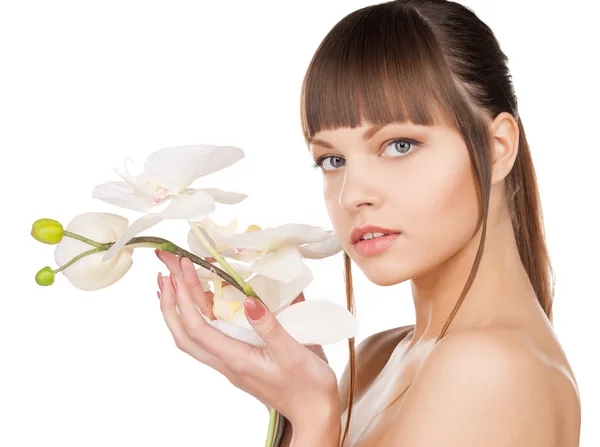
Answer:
(428, 62)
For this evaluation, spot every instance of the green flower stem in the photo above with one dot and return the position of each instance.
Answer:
(77, 258)
(271, 432)
(83, 239)
(246, 288)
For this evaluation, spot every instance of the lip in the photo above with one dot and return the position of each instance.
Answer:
(376, 245)
(359, 232)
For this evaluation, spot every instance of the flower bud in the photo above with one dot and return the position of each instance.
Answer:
(48, 231)
(45, 277)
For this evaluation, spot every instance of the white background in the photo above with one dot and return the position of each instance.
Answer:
(85, 84)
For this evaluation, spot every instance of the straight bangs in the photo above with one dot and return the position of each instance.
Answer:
(380, 64)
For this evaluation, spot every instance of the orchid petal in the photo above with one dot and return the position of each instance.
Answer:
(239, 318)
(225, 309)
(196, 205)
(100, 227)
(239, 333)
(282, 265)
(178, 167)
(141, 184)
(90, 273)
(232, 294)
(282, 236)
(218, 234)
(227, 197)
(204, 284)
(277, 294)
(121, 194)
(206, 275)
(196, 246)
(322, 249)
(318, 322)
(141, 224)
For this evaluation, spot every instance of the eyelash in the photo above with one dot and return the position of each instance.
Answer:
(413, 143)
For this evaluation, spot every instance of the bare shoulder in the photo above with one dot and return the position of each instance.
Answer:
(370, 357)
(487, 387)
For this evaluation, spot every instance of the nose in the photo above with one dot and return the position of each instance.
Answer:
(358, 189)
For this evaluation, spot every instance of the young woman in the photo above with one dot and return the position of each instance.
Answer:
(409, 110)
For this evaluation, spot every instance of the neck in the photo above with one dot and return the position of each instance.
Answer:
(501, 285)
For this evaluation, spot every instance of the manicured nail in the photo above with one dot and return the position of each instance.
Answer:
(254, 309)
(160, 283)
(173, 282)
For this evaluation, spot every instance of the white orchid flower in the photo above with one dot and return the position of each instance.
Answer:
(311, 322)
(274, 252)
(164, 183)
(216, 235)
(90, 273)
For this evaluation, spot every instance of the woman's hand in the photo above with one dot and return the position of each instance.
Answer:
(283, 374)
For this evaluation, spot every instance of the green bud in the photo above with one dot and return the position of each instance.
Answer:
(48, 231)
(45, 277)
(167, 246)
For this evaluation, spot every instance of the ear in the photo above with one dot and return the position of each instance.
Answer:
(505, 132)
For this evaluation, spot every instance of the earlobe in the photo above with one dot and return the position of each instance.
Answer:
(505, 133)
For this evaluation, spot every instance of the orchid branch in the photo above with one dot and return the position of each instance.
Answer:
(162, 244)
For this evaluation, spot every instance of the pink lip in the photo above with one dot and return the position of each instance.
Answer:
(359, 232)
(376, 245)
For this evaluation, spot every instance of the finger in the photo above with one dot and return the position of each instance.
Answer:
(170, 260)
(264, 323)
(175, 266)
(204, 300)
(180, 335)
(227, 349)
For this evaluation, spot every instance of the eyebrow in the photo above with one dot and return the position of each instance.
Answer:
(367, 135)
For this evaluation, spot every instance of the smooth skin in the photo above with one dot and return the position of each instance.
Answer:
(499, 377)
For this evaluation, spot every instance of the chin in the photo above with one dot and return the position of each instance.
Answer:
(384, 270)
(386, 276)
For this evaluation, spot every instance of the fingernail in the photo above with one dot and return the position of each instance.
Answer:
(188, 273)
(158, 294)
(179, 259)
(254, 309)
(160, 283)
(173, 282)
(157, 252)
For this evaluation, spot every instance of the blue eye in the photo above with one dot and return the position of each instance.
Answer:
(398, 148)
(329, 162)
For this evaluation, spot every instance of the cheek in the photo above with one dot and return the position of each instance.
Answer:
(444, 206)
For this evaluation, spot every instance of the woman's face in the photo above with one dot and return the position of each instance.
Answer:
(413, 181)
